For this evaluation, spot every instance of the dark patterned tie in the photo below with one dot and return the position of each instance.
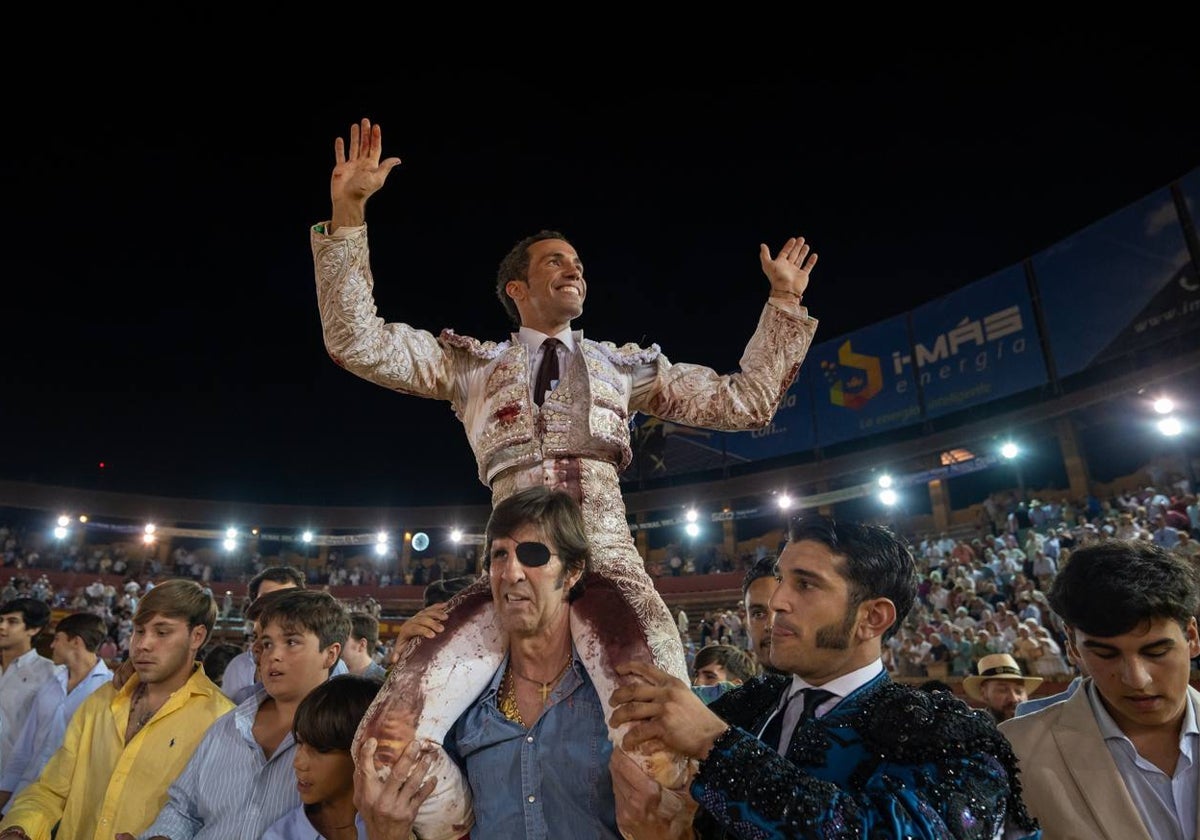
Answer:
(547, 370)
(813, 697)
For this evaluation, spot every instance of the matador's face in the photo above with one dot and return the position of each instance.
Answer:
(553, 294)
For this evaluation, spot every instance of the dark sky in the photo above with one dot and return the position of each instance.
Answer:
(159, 312)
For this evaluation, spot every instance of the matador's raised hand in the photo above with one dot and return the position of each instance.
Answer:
(789, 271)
(357, 175)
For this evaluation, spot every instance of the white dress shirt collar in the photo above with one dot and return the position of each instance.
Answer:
(533, 339)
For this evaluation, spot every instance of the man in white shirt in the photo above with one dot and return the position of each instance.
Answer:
(76, 640)
(1121, 756)
(22, 668)
(681, 620)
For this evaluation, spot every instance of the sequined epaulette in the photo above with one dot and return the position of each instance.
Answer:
(913, 727)
(627, 355)
(750, 700)
(481, 349)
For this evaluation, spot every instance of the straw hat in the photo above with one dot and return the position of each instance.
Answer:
(997, 666)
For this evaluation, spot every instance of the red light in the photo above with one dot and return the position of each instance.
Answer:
(101, 465)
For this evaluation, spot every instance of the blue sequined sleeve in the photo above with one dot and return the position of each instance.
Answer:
(753, 792)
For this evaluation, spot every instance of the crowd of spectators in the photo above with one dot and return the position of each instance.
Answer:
(984, 591)
(23, 551)
(980, 592)
(985, 594)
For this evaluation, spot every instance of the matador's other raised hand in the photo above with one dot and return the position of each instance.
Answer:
(789, 270)
(359, 174)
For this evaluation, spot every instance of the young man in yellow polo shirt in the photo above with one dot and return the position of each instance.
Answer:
(124, 747)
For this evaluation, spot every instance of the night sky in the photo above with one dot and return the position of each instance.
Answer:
(159, 312)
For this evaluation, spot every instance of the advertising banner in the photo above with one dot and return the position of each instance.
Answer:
(1122, 284)
(977, 344)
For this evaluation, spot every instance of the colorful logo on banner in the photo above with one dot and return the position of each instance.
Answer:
(855, 388)
(855, 378)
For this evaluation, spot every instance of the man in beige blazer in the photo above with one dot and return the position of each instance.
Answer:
(1120, 758)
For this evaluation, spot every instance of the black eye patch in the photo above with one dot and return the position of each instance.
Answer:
(533, 554)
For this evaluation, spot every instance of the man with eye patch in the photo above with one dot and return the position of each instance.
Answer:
(534, 745)
(546, 406)
(1120, 757)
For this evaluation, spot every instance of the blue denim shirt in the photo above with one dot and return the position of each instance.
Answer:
(551, 781)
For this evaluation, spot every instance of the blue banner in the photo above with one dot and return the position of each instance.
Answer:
(1189, 185)
(1125, 283)
(977, 344)
(858, 386)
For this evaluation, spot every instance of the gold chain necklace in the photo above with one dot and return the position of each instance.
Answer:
(508, 691)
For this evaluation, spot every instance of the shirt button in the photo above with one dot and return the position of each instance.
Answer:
(531, 798)
(529, 738)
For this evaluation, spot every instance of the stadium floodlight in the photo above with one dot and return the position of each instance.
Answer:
(1170, 426)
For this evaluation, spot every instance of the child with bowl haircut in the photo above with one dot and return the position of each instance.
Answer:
(324, 728)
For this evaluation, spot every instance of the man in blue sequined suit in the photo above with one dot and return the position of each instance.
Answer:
(869, 757)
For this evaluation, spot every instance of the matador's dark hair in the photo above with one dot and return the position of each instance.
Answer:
(515, 266)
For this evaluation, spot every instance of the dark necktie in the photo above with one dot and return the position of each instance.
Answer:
(813, 697)
(547, 371)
